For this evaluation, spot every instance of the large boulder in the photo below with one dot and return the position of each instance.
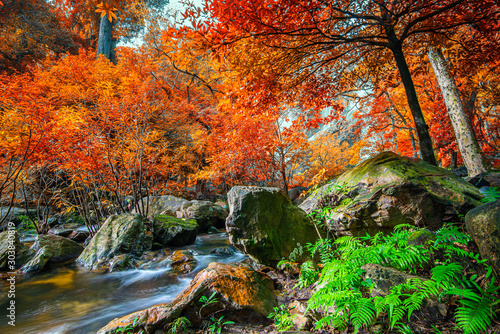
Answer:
(483, 225)
(389, 190)
(206, 214)
(162, 205)
(243, 295)
(265, 224)
(50, 248)
(171, 231)
(120, 234)
(10, 250)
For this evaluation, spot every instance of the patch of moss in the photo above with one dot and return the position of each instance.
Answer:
(169, 221)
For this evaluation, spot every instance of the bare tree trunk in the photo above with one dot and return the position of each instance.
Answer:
(466, 140)
(104, 43)
(424, 138)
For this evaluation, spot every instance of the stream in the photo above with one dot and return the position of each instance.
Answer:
(70, 299)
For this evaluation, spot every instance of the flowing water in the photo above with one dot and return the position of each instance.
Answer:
(73, 300)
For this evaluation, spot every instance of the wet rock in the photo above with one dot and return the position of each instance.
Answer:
(171, 231)
(121, 262)
(120, 234)
(60, 232)
(212, 230)
(10, 246)
(38, 261)
(206, 214)
(223, 251)
(483, 225)
(162, 205)
(79, 236)
(243, 295)
(183, 262)
(63, 249)
(389, 190)
(265, 224)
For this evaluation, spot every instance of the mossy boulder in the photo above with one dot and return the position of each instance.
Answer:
(10, 246)
(389, 190)
(266, 225)
(206, 214)
(483, 225)
(421, 237)
(171, 231)
(120, 234)
(243, 295)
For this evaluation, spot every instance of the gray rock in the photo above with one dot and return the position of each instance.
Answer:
(161, 205)
(265, 224)
(120, 234)
(206, 214)
(38, 261)
(62, 249)
(483, 225)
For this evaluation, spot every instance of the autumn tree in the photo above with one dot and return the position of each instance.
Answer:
(31, 30)
(313, 43)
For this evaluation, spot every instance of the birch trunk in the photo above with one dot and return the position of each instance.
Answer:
(466, 139)
(104, 42)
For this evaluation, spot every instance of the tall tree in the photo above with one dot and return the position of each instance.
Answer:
(315, 42)
(466, 139)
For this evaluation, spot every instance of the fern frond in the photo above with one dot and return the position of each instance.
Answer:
(363, 313)
(446, 272)
(474, 316)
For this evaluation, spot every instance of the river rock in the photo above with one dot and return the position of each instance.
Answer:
(206, 214)
(10, 245)
(162, 205)
(121, 262)
(50, 248)
(182, 262)
(389, 190)
(79, 236)
(120, 234)
(37, 261)
(265, 224)
(483, 225)
(243, 295)
(171, 231)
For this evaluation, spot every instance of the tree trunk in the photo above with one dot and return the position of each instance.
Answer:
(104, 43)
(426, 150)
(466, 140)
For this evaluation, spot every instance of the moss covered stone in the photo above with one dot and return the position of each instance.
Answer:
(120, 234)
(171, 231)
(266, 225)
(483, 225)
(206, 214)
